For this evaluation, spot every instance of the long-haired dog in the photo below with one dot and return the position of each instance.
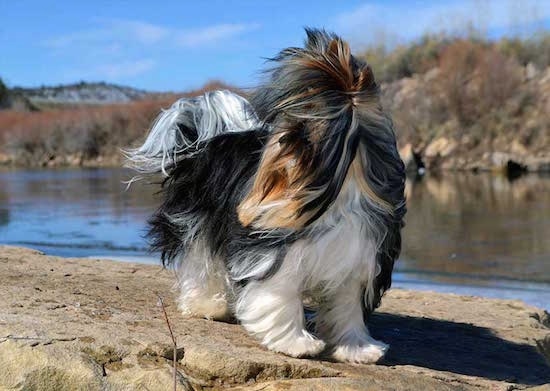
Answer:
(298, 191)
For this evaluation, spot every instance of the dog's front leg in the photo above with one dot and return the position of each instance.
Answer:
(272, 311)
(340, 322)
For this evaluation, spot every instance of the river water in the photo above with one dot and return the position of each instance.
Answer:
(468, 234)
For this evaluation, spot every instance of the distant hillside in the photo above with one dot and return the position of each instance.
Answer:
(82, 93)
(80, 124)
(101, 93)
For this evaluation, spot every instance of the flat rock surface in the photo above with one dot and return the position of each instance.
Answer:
(68, 324)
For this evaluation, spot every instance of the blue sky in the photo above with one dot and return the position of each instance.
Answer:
(178, 45)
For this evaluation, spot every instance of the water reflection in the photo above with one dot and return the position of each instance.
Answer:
(478, 226)
(74, 212)
(4, 211)
(461, 228)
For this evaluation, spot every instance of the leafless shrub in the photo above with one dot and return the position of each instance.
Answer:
(475, 79)
(34, 138)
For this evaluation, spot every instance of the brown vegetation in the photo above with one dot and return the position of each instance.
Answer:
(83, 133)
(77, 135)
(455, 101)
(481, 97)
(474, 79)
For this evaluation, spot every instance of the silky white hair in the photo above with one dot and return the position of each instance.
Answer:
(337, 260)
(210, 114)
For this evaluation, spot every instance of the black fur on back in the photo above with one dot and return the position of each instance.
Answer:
(205, 189)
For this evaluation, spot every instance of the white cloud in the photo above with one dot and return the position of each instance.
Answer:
(112, 30)
(212, 34)
(125, 69)
(112, 71)
(145, 33)
(142, 33)
(75, 38)
(390, 23)
(110, 47)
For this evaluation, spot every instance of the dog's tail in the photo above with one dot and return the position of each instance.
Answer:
(181, 130)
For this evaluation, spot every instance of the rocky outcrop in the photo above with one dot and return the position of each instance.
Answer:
(510, 136)
(69, 324)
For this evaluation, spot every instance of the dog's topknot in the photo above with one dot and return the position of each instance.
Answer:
(322, 75)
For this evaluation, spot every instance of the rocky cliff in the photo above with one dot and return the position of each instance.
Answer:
(68, 324)
(510, 136)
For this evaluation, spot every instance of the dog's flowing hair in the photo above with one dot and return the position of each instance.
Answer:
(298, 191)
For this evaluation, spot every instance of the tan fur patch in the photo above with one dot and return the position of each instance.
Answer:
(273, 201)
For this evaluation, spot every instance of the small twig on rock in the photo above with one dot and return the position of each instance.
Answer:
(174, 343)
(15, 337)
(25, 338)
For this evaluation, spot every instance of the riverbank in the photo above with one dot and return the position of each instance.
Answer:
(458, 103)
(103, 318)
(437, 156)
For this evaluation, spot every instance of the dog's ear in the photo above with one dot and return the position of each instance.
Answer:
(279, 191)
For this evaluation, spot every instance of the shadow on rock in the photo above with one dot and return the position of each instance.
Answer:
(459, 348)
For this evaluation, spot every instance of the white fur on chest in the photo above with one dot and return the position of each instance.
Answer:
(341, 247)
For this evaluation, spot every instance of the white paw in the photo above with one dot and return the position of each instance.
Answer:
(215, 308)
(301, 346)
(361, 354)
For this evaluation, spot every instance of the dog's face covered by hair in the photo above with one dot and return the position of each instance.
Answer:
(316, 103)
(299, 190)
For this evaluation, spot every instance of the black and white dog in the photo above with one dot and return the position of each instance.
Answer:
(298, 191)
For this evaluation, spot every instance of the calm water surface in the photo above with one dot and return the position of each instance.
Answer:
(468, 234)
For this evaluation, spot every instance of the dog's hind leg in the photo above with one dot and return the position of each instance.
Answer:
(203, 286)
(340, 321)
(272, 311)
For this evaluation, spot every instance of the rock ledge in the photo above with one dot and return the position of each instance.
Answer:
(69, 324)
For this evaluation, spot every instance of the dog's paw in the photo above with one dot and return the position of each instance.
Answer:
(214, 308)
(305, 345)
(363, 354)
